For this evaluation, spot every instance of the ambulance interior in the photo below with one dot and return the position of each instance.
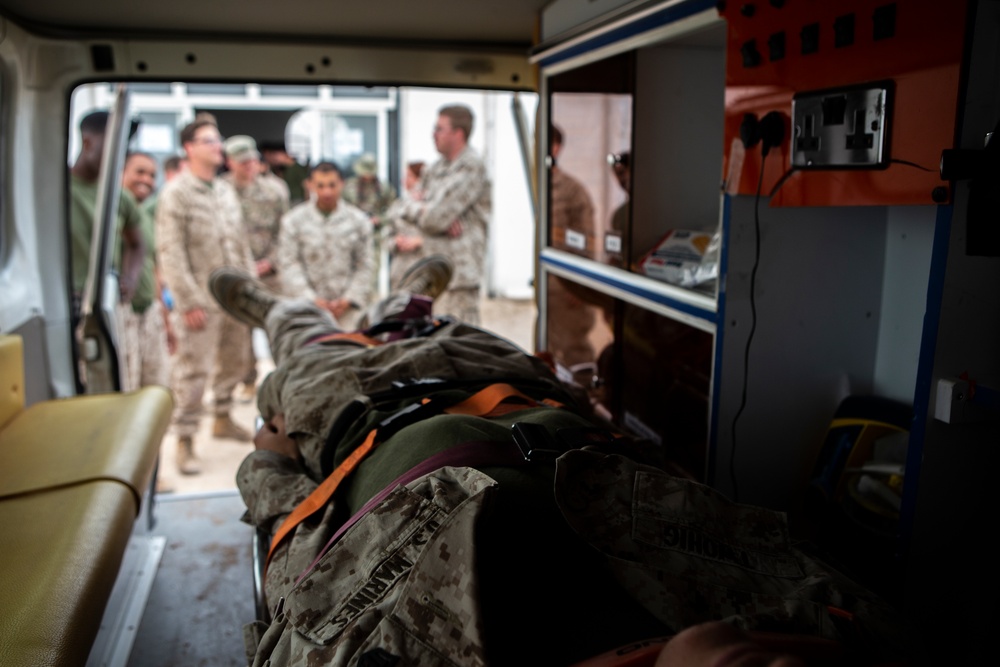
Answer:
(789, 284)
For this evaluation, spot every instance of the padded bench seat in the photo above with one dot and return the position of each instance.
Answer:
(72, 477)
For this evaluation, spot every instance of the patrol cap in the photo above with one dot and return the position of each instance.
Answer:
(365, 165)
(241, 148)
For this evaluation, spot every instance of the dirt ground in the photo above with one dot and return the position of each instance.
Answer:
(512, 319)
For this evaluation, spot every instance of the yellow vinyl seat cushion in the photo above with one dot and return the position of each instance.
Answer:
(60, 551)
(85, 438)
(73, 473)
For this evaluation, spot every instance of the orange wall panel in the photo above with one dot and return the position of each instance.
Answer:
(922, 59)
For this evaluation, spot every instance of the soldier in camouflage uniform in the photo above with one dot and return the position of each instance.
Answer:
(264, 200)
(447, 545)
(373, 196)
(199, 227)
(454, 211)
(366, 191)
(325, 250)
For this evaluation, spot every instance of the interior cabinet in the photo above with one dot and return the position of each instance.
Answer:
(635, 134)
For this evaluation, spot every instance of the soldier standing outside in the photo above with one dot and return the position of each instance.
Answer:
(366, 191)
(83, 197)
(199, 227)
(373, 196)
(453, 211)
(148, 362)
(325, 250)
(263, 204)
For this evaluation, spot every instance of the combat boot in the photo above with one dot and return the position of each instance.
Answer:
(429, 276)
(187, 464)
(241, 296)
(224, 427)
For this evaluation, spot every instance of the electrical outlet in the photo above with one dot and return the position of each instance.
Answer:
(844, 127)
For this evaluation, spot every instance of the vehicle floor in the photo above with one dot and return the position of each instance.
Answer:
(203, 591)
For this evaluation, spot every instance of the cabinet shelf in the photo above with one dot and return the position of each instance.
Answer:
(695, 307)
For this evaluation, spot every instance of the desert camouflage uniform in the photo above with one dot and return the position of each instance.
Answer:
(199, 227)
(457, 190)
(374, 198)
(620, 551)
(264, 201)
(371, 196)
(328, 256)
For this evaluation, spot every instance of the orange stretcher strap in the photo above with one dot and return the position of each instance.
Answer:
(484, 403)
(351, 337)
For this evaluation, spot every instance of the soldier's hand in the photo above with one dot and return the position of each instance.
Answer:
(195, 319)
(719, 644)
(264, 268)
(273, 437)
(455, 230)
(406, 243)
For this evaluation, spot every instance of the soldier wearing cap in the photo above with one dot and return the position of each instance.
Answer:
(326, 251)
(264, 199)
(366, 191)
(199, 227)
(372, 196)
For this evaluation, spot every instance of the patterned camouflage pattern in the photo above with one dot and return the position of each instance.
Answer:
(218, 352)
(416, 600)
(372, 196)
(400, 586)
(264, 201)
(690, 555)
(148, 361)
(394, 224)
(199, 227)
(327, 256)
(457, 190)
(462, 304)
(312, 384)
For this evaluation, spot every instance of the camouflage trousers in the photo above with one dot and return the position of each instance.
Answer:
(462, 304)
(218, 352)
(400, 586)
(147, 360)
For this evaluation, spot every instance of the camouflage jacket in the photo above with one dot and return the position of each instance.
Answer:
(594, 548)
(404, 582)
(199, 227)
(264, 201)
(372, 197)
(326, 255)
(455, 191)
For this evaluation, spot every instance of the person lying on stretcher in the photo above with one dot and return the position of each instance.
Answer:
(434, 495)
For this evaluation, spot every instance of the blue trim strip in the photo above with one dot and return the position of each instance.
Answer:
(713, 426)
(925, 373)
(654, 297)
(655, 20)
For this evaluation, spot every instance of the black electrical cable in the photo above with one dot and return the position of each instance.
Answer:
(912, 164)
(781, 182)
(753, 322)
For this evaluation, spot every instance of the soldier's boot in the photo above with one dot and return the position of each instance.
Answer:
(241, 296)
(187, 464)
(429, 276)
(426, 280)
(224, 427)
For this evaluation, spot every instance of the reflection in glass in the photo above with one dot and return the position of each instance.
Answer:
(591, 118)
(578, 329)
(666, 368)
